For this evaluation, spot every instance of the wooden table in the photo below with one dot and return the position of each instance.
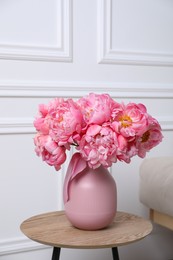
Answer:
(55, 230)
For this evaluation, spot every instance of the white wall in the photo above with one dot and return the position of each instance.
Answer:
(58, 48)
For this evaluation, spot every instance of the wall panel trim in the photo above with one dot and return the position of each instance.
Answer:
(16, 126)
(40, 53)
(76, 89)
(25, 125)
(109, 55)
(39, 89)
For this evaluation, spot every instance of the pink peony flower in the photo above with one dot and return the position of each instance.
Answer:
(62, 120)
(101, 129)
(99, 146)
(96, 108)
(123, 152)
(66, 122)
(41, 122)
(131, 120)
(150, 138)
(50, 152)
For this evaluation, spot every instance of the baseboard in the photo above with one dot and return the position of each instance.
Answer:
(18, 245)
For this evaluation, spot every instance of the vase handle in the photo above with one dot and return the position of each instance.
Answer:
(77, 164)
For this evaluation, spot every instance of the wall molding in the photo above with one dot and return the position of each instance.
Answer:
(76, 89)
(19, 245)
(42, 89)
(17, 126)
(166, 122)
(109, 55)
(25, 125)
(57, 53)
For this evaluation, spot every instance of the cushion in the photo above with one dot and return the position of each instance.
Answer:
(156, 184)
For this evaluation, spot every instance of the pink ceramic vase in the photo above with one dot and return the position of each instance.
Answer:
(92, 199)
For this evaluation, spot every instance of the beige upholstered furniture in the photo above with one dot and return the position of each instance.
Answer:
(156, 189)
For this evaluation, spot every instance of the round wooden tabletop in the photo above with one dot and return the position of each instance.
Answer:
(55, 230)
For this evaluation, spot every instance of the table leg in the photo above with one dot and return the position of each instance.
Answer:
(57, 250)
(56, 253)
(115, 253)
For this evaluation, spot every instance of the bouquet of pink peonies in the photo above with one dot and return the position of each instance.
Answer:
(102, 130)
